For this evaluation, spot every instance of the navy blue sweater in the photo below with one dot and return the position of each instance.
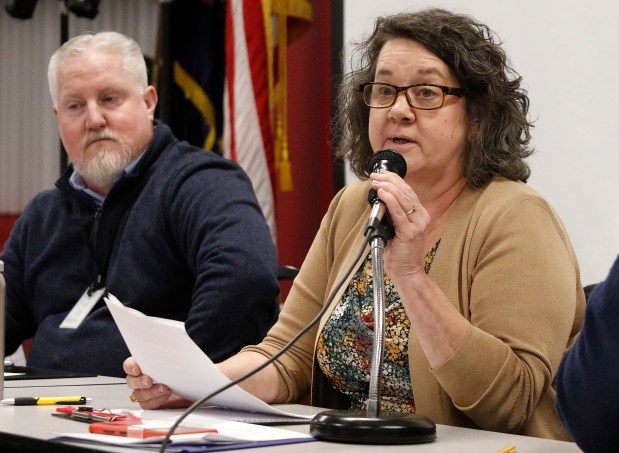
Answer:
(588, 378)
(188, 242)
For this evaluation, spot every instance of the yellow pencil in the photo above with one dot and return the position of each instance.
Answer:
(508, 449)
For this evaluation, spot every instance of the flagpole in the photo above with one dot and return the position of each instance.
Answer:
(163, 64)
(64, 37)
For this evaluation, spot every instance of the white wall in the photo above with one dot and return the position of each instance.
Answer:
(567, 52)
(29, 141)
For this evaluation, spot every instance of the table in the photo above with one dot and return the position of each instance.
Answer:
(65, 382)
(27, 428)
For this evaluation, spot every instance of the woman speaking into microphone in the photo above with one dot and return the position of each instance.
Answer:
(482, 287)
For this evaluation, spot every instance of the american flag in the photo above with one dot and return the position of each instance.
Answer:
(255, 96)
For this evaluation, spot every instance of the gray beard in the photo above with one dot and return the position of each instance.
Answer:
(105, 166)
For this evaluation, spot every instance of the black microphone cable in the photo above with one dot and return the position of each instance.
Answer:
(166, 441)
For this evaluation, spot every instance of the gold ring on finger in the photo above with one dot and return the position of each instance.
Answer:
(412, 210)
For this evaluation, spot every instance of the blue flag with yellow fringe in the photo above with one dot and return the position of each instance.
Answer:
(197, 45)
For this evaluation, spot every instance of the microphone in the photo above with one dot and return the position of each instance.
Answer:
(390, 160)
(371, 426)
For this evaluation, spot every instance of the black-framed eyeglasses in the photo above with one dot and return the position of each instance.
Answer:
(423, 96)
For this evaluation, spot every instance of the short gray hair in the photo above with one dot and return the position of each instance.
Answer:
(107, 41)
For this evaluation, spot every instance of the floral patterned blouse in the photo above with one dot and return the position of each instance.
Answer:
(344, 348)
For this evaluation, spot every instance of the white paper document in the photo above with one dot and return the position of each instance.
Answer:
(166, 353)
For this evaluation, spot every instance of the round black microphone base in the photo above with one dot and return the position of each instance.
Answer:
(357, 427)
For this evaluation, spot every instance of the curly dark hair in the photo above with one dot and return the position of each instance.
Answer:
(496, 106)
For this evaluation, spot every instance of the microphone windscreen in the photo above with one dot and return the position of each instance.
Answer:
(387, 159)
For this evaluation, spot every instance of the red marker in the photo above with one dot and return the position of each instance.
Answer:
(129, 428)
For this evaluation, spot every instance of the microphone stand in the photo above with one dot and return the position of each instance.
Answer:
(372, 426)
(377, 247)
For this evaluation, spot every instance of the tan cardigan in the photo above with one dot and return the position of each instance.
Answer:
(506, 263)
